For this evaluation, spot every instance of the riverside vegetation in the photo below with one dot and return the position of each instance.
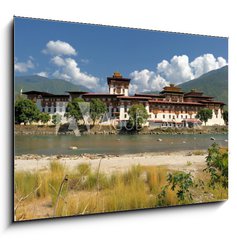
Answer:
(62, 192)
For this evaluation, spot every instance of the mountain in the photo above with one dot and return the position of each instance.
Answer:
(213, 83)
(38, 83)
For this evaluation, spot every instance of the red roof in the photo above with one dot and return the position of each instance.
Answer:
(157, 121)
(217, 102)
(197, 96)
(102, 94)
(177, 103)
(192, 120)
(77, 92)
(38, 92)
(162, 121)
(149, 95)
(133, 97)
(45, 94)
(194, 93)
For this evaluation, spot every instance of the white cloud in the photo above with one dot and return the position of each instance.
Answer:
(69, 70)
(58, 61)
(59, 48)
(67, 67)
(85, 61)
(23, 67)
(206, 63)
(42, 74)
(146, 80)
(178, 70)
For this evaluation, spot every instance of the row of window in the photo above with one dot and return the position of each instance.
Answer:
(170, 116)
(49, 110)
(171, 124)
(55, 99)
(176, 107)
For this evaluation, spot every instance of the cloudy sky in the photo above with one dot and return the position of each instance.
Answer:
(87, 54)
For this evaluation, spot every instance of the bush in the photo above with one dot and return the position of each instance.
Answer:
(44, 117)
(179, 182)
(217, 165)
(26, 111)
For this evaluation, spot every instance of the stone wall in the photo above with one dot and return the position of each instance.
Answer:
(34, 130)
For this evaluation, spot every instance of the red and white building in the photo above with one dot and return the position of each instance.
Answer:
(170, 108)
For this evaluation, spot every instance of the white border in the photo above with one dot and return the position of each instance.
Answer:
(213, 221)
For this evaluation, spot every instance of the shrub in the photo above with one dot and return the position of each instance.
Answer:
(180, 183)
(217, 165)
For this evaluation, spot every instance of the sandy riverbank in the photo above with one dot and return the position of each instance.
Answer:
(113, 163)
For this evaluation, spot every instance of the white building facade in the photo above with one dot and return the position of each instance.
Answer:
(170, 108)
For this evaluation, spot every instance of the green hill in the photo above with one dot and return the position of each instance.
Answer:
(213, 83)
(38, 83)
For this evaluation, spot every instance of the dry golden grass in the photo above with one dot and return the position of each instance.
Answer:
(88, 192)
(199, 152)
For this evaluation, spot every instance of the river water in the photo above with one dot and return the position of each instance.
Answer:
(114, 144)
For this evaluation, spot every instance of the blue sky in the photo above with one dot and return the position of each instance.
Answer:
(87, 54)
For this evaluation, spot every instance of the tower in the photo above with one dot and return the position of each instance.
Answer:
(118, 84)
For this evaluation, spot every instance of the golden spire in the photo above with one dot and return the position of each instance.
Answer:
(117, 74)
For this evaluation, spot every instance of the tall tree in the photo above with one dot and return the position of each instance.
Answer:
(73, 109)
(204, 114)
(225, 117)
(26, 111)
(97, 109)
(137, 116)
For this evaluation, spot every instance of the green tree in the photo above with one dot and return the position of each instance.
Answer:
(225, 117)
(204, 114)
(26, 111)
(56, 119)
(97, 109)
(182, 181)
(44, 117)
(137, 116)
(217, 165)
(73, 109)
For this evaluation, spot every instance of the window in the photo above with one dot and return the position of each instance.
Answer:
(49, 109)
(43, 109)
(55, 109)
(181, 116)
(186, 116)
(163, 116)
(169, 116)
(177, 116)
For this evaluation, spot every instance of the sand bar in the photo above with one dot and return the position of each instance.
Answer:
(112, 163)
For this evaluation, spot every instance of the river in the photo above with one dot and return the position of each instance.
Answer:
(114, 144)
